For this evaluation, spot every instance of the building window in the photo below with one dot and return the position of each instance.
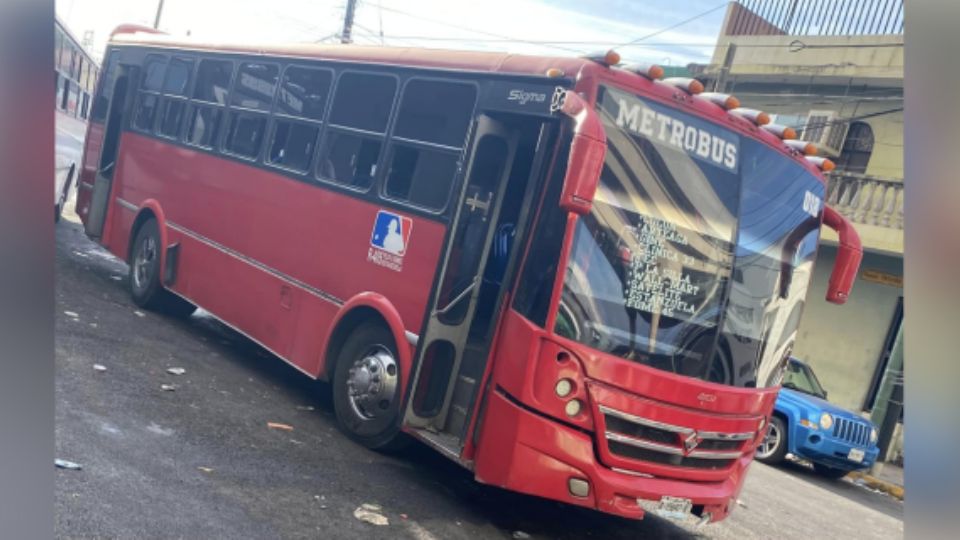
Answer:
(857, 148)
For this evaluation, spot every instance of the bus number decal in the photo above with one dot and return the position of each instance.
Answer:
(389, 240)
(811, 204)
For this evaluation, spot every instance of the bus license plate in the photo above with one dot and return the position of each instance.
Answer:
(855, 455)
(673, 508)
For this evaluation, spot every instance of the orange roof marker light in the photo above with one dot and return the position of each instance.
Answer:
(554, 73)
(650, 71)
(724, 100)
(688, 85)
(804, 147)
(822, 163)
(784, 132)
(609, 58)
(758, 117)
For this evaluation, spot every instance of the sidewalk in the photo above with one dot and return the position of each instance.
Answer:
(888, 479)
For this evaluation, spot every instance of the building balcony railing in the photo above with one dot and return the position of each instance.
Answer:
(815, 17)
(869, 200)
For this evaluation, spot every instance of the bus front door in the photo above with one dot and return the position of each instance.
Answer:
(120, 104)
(454, 348)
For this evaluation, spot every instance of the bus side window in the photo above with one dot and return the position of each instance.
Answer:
(154, 68)
(209, 97)
(174, 105)
(250, 100)
(358, 123)
(297, 116)
(428, 140)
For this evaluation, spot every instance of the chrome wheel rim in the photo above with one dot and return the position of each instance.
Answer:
(770, 441)
(143, 262)
(372, 383)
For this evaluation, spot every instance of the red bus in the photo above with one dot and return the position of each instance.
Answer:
(573, 279)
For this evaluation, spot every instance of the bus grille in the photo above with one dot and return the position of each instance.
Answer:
(851, 431)
(633, 437)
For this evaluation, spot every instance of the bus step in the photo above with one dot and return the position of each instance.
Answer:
(445, 443)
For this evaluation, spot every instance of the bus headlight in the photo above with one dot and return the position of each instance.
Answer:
(826, 421)
(564, 387)
(873, 435)
(573, 407)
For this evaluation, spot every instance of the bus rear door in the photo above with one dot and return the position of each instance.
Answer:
(117, 112)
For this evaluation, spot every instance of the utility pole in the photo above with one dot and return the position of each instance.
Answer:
(156, 21)
(347, 22)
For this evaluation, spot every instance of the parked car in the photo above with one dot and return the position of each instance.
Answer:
(806, 425)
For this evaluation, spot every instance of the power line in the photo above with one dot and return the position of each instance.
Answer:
(458, 27)
(681, 23)
(618, 43)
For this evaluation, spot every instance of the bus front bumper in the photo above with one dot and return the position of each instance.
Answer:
(532, 454)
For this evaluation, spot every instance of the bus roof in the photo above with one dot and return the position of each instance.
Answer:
(480, 61)
(407, 56)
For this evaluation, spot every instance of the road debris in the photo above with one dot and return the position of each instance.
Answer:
(64, 464)
(72, 314)
(741, 504)
(305, 408)
(294, 441)
(176, 371)
(168, 387)
(99, 367)
(116, 278)
(370, 513)
(520, 535)
(205, 469)
(404, 516)
(139, 313)
(277, 425)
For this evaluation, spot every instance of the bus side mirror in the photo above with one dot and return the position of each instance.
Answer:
(849, 255)
(587, 151)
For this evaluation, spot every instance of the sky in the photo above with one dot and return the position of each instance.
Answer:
(573, 27)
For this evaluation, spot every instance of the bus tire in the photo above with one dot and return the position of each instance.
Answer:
(366, 388)
(144, 275)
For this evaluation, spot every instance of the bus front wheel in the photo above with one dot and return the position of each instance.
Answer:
(145, 287)
(366, 388)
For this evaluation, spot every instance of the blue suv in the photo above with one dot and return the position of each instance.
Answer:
(806, 425)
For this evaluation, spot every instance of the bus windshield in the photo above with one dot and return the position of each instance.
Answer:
(698, 251)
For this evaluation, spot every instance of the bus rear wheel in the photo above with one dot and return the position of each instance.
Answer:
(366, 389)
(144, 276)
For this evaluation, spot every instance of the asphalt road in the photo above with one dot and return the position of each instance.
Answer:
(201, 462)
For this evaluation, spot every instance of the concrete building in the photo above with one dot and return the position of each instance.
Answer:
(834, 71)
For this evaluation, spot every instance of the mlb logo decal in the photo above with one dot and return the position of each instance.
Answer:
(389, 240)
(391, 232)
